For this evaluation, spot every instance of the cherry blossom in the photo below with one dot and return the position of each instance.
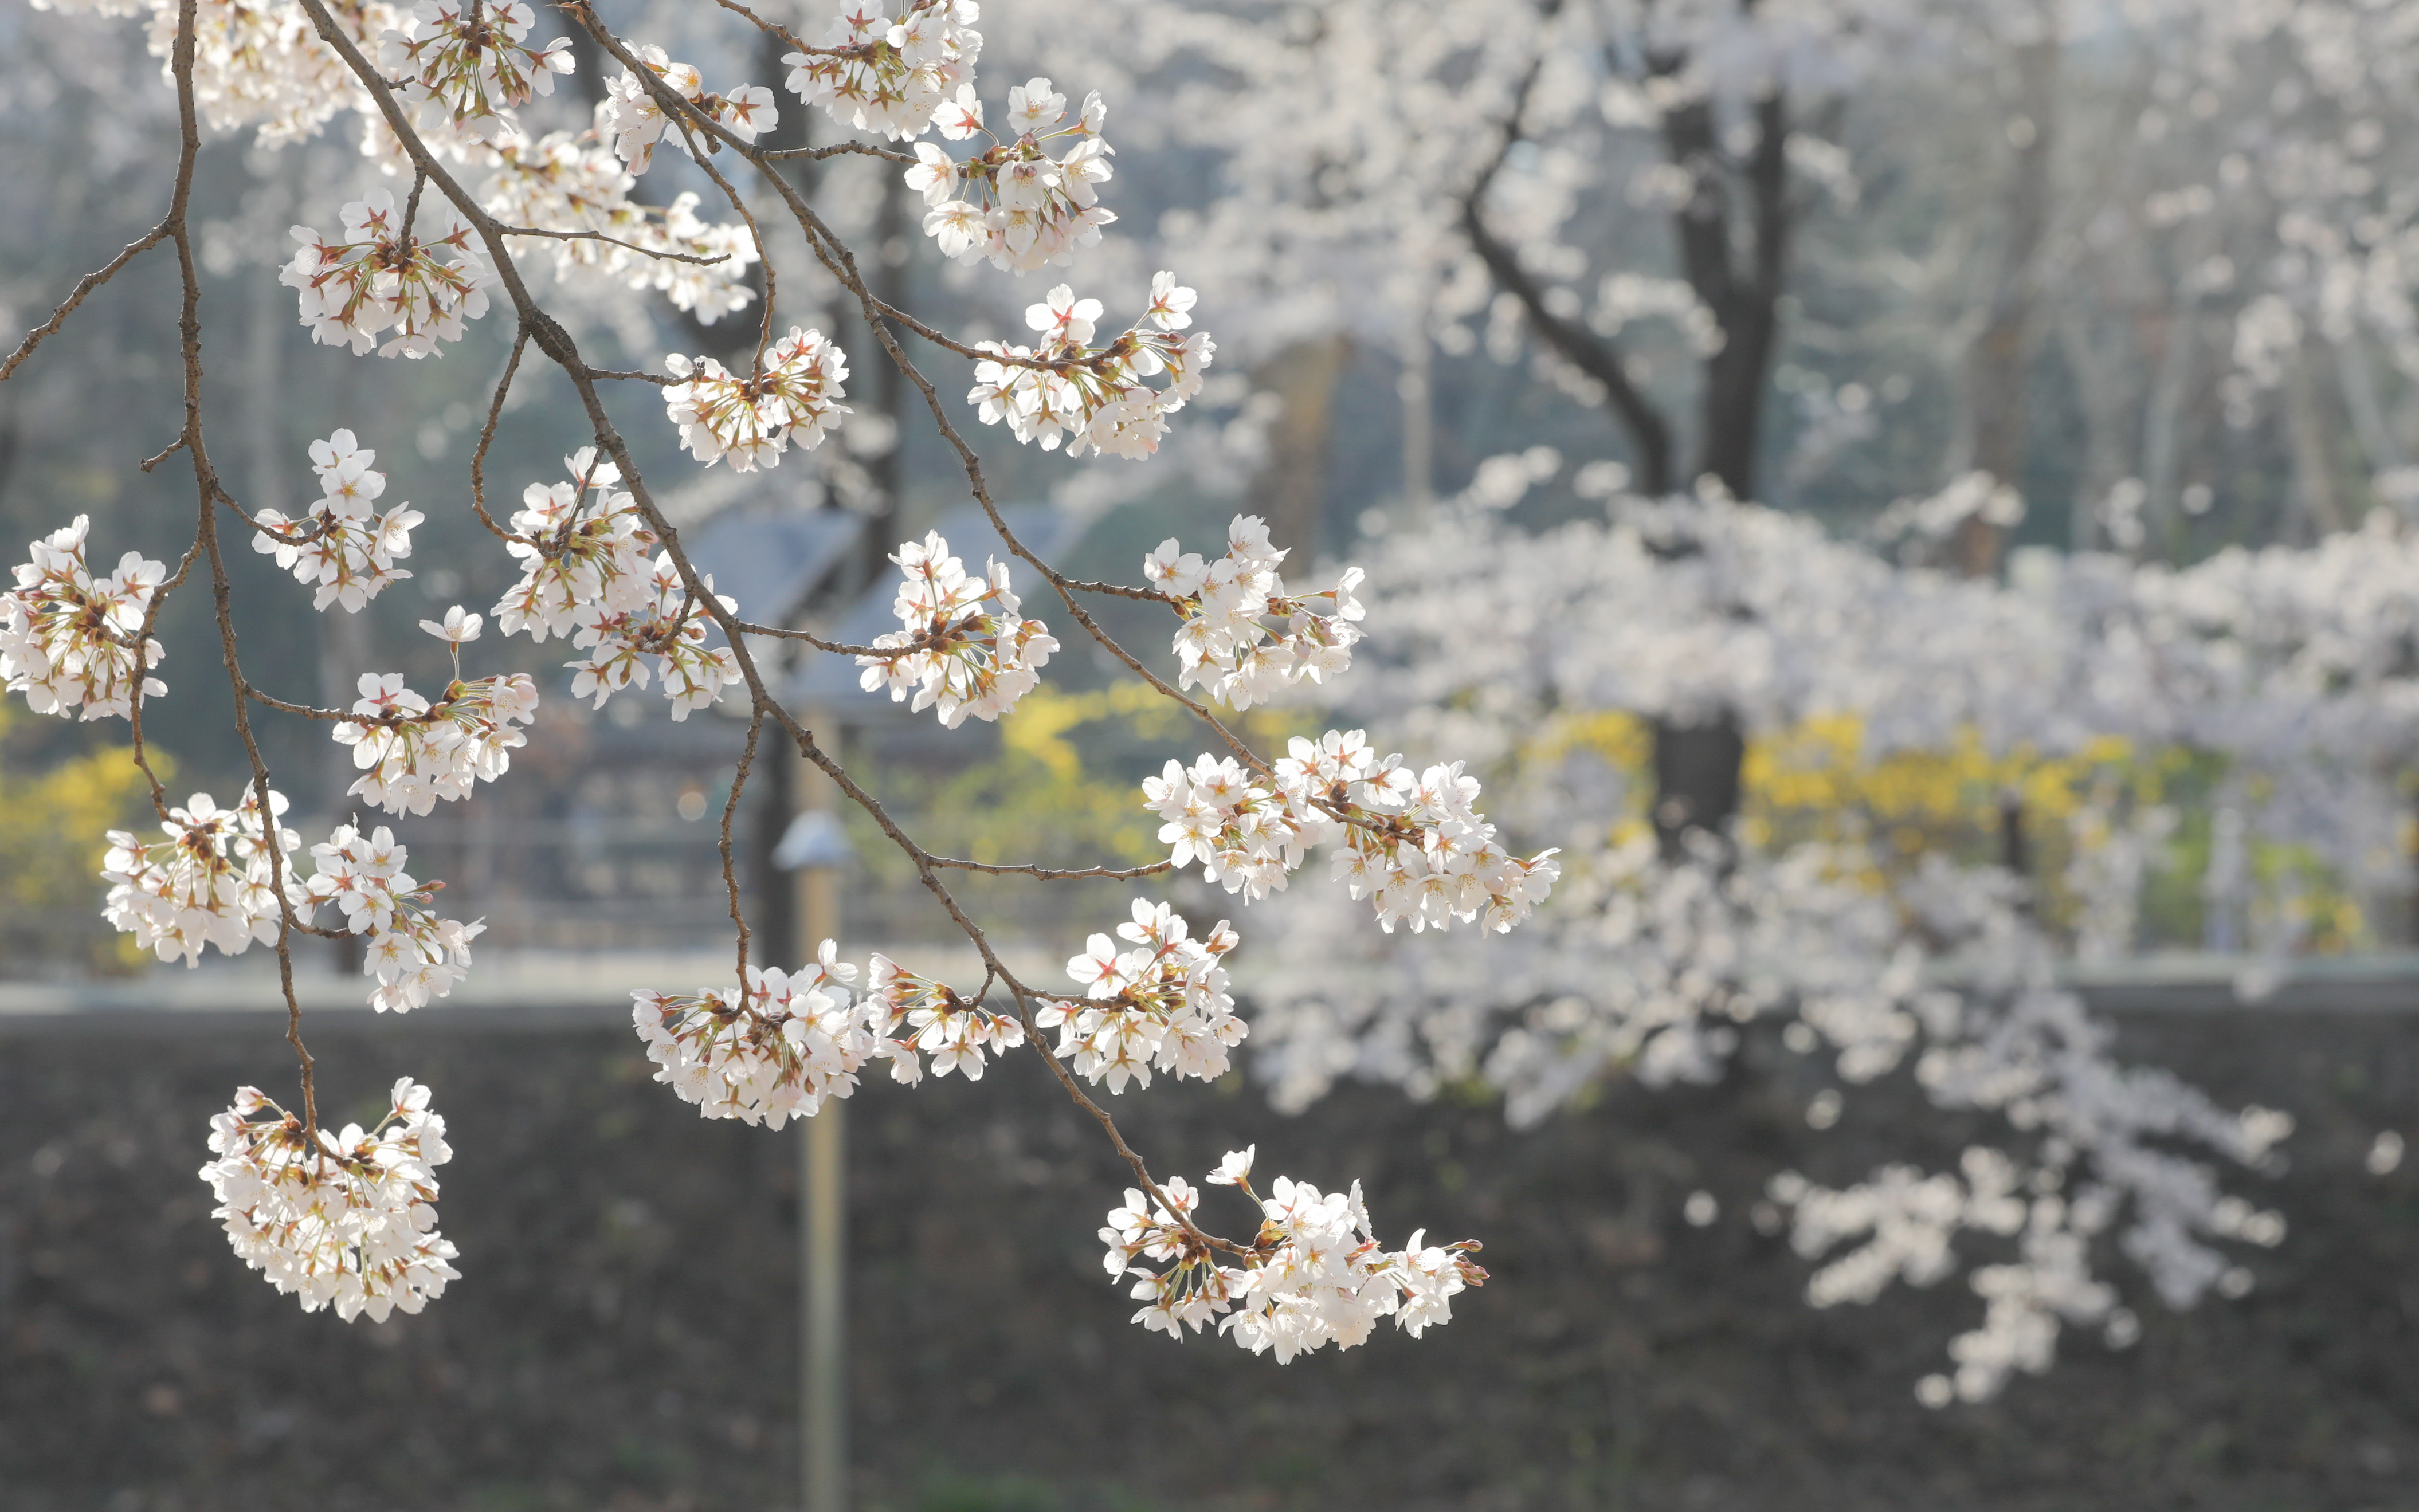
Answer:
(1312, 1275)
(465, 66)
(667, 629)
(1162, 1006)
(769, 1054)
(1223, 646)
(877, 74)
(634, 122)
(342, 544)
(72, 644)
(965, 649)
(209, 884)
(581, 545)
(1093, 399)
(414, 953)
(1015, 204)
(382, 275)
(349, 1219)
(412, 753)
(750, 421)
(938, 1020)
(574, 182)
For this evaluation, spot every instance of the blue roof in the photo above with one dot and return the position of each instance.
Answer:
(830, 682)
(770, 557)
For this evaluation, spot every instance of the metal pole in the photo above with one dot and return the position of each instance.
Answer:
(823, 1256)
(822, 1205)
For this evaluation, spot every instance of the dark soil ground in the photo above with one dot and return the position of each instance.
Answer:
(623, 1334)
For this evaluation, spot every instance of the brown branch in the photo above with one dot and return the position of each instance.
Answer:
(559, 346)
(84, 287)
(1058, 875)
(487, 437)
(599, 235)
(188, 330)
(729, 874)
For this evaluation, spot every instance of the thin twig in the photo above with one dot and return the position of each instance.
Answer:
(83, 286)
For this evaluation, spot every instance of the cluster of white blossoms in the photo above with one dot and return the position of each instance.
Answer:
(938, 1021)
(766, 1055)
(1161, 1006)
(1314, 1273)
(1015, 204)
(581, 543)
(462, 63)
(877, 74)
(378, 275)
(574, 182)
(1413, 845)
(634, 122)
(668, 628)
(1223, 644)
(342, 545)
(414, 953)
(1094, 398)
(350, 1220)
(211, 882)
(412, 753)
(965, 650)
(73, 646)
(750, 421)
(347, 1218)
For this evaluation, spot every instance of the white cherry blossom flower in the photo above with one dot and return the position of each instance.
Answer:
(420, 282)
(74, 645)
(886, 75)
(209, 882)
(749, 422)
(414, 953)
(965, 648)
(347, 1221)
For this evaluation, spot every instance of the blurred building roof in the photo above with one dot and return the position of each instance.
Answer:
(772, 558)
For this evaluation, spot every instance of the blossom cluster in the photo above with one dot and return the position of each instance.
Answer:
(1015, 204)
(412, 753)
(1163, 1005)
(581, 545)
(378, 275)
(1312, 1275)
(212, 882)
(414, 953)
(666, 628)
(349, 1220)
(635, 121)
(938, 1020)
(462, 63)
(1412, 844)
(1223, 645)
(1094, 398)
(750, 421)
(72, 644)
(877, 74)
(574, 182)
(766, 1055)
(967, 649)
(342, 545)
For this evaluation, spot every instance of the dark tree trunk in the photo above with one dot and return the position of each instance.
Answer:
(2004, 351)
(1696, 781)
(1745, 299)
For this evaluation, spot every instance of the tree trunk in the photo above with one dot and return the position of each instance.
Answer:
(2003, 354)
(1292, 489)
(1696, 780)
